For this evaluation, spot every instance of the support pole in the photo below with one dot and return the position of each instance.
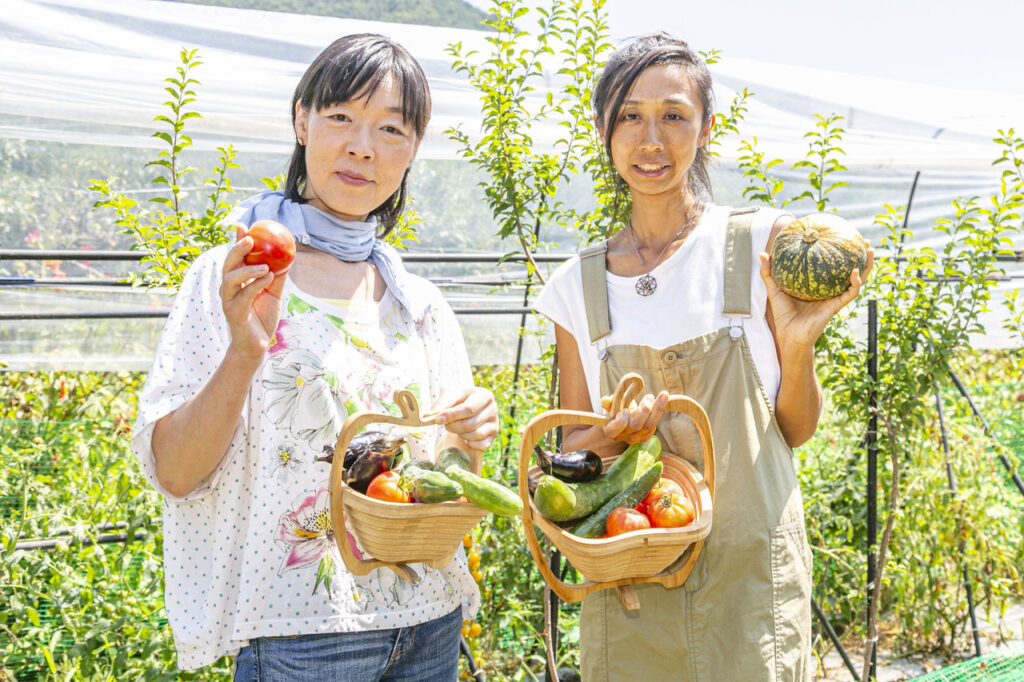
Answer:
(951, 482)
(871, 442)
(835, 638)
(988, 431)
(474, 671)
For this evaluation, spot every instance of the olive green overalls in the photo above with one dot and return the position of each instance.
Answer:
(744, 613)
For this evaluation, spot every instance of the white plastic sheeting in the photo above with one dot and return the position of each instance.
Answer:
(89, 72)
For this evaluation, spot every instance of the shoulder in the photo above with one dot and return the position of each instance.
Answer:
(567, 272)
(425, 288)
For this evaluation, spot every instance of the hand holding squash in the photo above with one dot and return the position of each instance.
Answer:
(802, 322)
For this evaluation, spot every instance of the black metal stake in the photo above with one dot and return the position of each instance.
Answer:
(951, 481)
(988, 431)
(871, 441)
(835, 638)
(470, 661)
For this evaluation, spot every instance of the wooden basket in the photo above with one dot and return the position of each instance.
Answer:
(653, 555)
(392, 533)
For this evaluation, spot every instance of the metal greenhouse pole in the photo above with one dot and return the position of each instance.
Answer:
(951, 481)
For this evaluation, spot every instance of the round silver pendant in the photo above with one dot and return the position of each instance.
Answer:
(646, 285)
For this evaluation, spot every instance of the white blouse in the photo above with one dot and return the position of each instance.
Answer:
(251, 553)
(687, 303)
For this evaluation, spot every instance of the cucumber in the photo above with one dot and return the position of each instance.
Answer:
(559, 501)
(630, 497)
(427, 485)
(450, 456)
(485, 494)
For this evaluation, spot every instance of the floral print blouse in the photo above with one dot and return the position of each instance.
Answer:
(251, 552)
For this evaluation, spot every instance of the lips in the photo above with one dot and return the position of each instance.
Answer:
(353, 178)
(650, 169)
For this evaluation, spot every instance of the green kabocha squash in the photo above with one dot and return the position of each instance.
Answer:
(812, 257)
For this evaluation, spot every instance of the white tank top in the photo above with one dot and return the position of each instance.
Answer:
(687, 303)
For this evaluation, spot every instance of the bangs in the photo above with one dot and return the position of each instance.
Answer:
(344, 78)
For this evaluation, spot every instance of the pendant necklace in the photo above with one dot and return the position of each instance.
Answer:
(647, 284)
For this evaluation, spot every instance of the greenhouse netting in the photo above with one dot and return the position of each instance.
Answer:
(82, 80)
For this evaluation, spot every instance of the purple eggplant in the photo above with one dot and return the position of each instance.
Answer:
(577, 466)
(369, 454)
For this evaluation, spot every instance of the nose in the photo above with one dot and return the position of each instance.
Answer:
(360, 143)
(651, 140)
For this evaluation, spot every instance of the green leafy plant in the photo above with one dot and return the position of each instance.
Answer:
(522, 179)
(170, 236)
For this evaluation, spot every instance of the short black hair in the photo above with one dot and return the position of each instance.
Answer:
(353, 67)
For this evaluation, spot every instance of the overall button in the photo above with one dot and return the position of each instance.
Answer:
(670, 357)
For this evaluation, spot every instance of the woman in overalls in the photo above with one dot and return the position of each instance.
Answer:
(682, 296)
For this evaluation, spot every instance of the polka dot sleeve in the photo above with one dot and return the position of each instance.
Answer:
(191, 347)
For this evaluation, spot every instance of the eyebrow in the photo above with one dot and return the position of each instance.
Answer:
(667, 100)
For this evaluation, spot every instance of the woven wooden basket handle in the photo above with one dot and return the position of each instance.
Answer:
(629, 386)
(355, 423)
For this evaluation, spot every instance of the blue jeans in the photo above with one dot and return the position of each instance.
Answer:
(425, 652)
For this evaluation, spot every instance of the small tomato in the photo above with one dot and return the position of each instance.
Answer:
(670, 511)
(664, 485)
(624, 519)
(387, 486)
(273, 245)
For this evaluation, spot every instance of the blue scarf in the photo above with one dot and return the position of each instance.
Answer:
(351, 241)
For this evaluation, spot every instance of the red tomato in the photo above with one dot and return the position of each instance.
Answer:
(388, 487)
(273, 245)
(664, 485)
(670, 511)
(623, 520)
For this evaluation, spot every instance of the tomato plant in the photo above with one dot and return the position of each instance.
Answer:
(388, 487)
(623, 520)
(273, 245)
(670, 511)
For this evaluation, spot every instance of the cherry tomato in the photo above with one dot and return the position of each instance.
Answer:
(273, 245)
(387, 486)
(624, 519)
(664, 485)
(670, 511)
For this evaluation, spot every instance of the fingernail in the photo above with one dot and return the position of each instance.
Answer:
(441, 419)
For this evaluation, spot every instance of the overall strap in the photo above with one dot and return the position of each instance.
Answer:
(593, 266)
(738, 254)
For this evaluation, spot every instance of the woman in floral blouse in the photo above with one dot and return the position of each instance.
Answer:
(255, 374)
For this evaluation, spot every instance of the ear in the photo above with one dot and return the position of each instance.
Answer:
(301, 123)
(705, 134)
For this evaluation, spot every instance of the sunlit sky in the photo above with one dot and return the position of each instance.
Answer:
(964, 44)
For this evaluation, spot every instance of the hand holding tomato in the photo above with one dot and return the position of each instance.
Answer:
(251, 300)
(272, 245)
(623, 520)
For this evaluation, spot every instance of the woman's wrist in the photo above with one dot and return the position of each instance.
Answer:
(244, 362)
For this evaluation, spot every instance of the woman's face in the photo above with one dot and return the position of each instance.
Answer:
(658, 132)
(356, 151)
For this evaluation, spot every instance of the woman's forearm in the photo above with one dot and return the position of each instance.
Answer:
(190, 442)
(798, 404)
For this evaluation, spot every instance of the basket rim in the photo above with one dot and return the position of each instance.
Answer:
(361, 503)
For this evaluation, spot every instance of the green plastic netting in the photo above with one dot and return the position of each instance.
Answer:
(1004, 665)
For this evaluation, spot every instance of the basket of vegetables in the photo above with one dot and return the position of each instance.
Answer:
(403, 510)
(639, 517)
